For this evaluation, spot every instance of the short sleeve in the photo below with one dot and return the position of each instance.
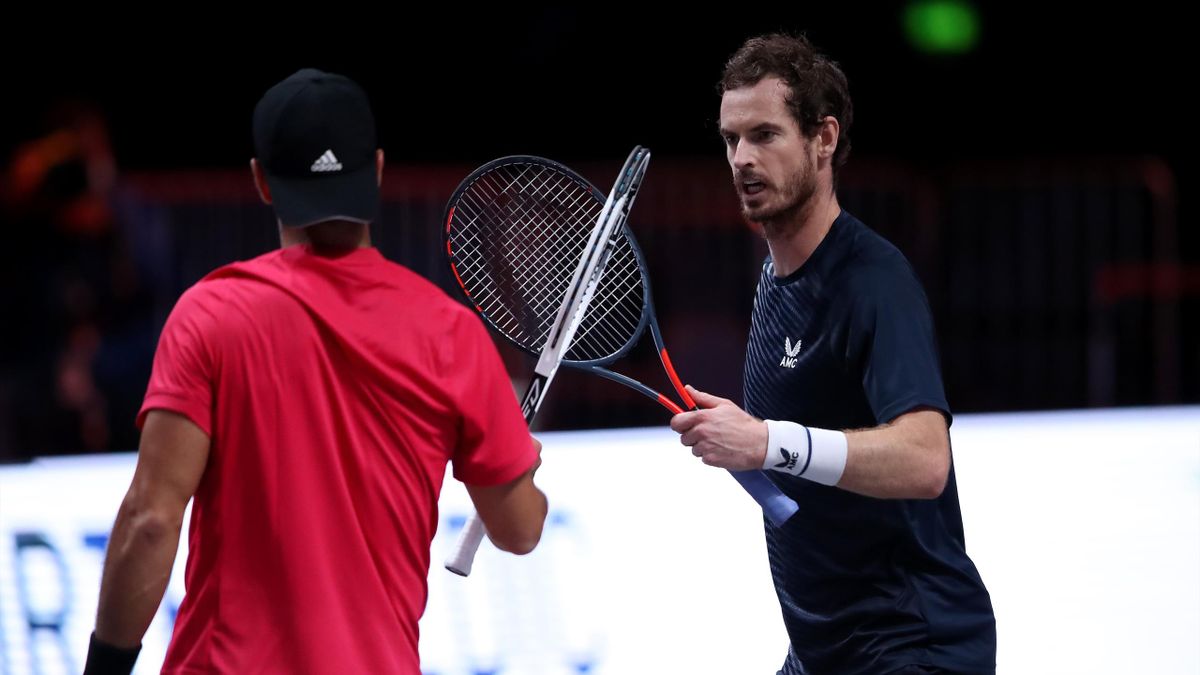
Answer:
(494, 445)
(182, 378)
(893, 343)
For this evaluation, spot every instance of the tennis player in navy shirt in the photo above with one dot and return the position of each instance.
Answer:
(844, 406)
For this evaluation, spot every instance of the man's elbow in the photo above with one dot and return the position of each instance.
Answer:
(520, 544)
(936, 472)
(149, 524)
(513, 514)
(932, 487)
(520, 535)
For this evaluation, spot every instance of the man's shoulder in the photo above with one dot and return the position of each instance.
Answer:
(414, 283)
(234, 274)
(872, 265)
(869, 251)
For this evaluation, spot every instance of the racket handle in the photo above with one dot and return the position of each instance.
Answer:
(777, 506)
(463, 556)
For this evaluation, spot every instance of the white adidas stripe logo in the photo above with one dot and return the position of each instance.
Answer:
(326, 162)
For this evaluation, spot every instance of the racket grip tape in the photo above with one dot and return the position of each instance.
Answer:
(777, 506)
(463, 556)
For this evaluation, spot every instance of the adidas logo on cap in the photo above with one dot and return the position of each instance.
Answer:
(326, 162)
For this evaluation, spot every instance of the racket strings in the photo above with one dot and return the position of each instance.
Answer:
(615, 312)
(518, 233)
(512, 263)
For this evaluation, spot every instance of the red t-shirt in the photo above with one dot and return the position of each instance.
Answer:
(334, 391)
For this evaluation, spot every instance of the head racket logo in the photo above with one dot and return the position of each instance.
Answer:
(789, 459)
(789, 353)
(531, 397)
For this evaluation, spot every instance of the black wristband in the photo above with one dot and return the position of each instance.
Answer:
(105, 659)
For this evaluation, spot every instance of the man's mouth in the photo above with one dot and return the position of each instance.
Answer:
(752, 187)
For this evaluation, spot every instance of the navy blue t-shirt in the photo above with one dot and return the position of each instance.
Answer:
(866, 585)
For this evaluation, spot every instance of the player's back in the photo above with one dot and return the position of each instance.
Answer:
(333, 417)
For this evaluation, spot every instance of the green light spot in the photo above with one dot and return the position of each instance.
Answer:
(942, 26)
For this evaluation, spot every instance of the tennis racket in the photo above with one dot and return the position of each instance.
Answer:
(507, 221)
(518, 212)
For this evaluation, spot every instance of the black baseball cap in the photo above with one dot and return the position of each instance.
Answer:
(314, 136)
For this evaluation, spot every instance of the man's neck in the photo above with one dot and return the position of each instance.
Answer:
(792, 244)
(333, 237)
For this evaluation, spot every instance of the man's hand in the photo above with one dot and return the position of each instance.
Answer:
(721, 434)
(515, 512)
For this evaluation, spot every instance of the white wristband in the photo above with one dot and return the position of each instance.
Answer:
(816, 454)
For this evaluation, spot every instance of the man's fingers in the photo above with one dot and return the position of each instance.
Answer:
(705, 399)
(684, 421)
(690, 437)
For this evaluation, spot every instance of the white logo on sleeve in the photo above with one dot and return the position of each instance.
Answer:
(326, 162)
(789, 353)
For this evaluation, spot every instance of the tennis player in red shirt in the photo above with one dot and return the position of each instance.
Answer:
(310, 400)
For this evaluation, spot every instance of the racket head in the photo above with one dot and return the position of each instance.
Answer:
(514, 230)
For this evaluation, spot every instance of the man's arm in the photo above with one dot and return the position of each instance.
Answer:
(907, 458)
(513, 513)
(171, 459)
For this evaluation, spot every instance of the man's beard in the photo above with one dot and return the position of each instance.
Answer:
(782, 219)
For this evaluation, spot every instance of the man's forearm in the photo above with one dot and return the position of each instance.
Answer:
(907, 460)
(137, 567)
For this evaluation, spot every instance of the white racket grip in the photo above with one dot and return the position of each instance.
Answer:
(463, 556)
